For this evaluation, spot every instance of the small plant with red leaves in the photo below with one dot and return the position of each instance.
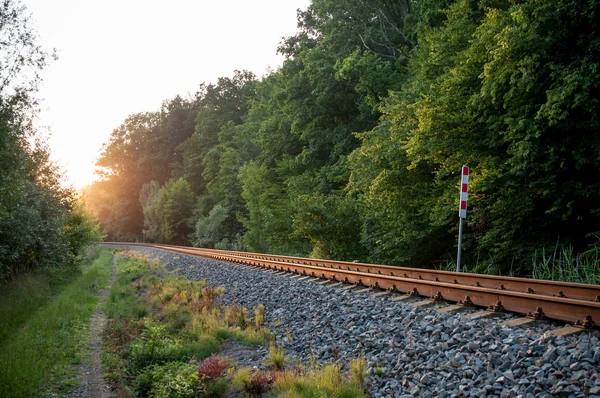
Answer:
(212, 368)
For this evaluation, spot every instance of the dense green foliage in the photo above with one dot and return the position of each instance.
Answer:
(41, 223)
(352, 149)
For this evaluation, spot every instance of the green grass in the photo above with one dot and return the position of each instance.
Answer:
(22, 297)
(565, 265)
(42, 343)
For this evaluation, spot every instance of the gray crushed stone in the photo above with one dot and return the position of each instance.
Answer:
(410, 351)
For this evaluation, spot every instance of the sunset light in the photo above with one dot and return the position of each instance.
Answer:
(116, 58)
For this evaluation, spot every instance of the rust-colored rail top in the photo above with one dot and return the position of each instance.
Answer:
(575, 303)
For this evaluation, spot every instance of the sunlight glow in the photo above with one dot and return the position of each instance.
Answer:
(121, 57)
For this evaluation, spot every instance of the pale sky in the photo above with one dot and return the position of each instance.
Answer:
(118, 57)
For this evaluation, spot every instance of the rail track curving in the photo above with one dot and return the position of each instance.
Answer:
(575, 303)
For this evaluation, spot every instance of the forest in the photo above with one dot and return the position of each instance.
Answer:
(42, 223)
(352, 149)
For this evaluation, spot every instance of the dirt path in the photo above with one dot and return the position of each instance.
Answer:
(90, 371)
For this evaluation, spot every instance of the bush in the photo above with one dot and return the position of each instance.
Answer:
(212, 368)
(152, 347)
(173, 379)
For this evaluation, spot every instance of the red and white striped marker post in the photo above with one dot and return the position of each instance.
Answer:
(462, 209)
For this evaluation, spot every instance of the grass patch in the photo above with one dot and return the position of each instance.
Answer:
(42, 343)
(324, 382)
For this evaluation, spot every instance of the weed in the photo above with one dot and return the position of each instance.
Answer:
(258, 384)
(241, 377)
(379, 371)
(277, 356)
(235, 316)
(358, 371)
(217, 387)
(259, 316)
(250, 336)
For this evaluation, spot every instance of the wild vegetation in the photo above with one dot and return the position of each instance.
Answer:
(45, 318)
(165, 332)
(42, 224)
(352, 149)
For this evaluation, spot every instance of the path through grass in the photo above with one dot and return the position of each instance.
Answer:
(40, 350)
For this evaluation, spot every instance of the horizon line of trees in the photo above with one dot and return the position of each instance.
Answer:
(352, 149)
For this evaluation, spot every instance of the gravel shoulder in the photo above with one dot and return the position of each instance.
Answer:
(410, 351)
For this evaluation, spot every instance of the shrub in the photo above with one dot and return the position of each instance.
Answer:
(212, 368)
(173, 379)
(153, 346)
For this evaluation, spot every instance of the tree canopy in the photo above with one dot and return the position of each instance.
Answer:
(352, 149)
(42, 224)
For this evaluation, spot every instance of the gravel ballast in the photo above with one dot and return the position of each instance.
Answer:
(410, 351)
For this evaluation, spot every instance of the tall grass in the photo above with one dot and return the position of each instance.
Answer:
(24, 295)
(325, 382)
(565, 265)
(43, 346)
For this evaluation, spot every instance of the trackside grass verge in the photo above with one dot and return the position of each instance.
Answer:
(164, 333)
(41, 349)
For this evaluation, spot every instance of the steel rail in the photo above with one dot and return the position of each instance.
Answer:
(576, 303)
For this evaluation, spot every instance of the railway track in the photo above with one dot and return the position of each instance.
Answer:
(574, 303)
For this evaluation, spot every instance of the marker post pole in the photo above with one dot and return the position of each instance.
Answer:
(462, 210)
(460, 225)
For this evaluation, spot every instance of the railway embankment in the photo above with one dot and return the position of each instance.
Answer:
(411, 351)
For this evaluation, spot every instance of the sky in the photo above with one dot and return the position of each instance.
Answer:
(119, 57)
